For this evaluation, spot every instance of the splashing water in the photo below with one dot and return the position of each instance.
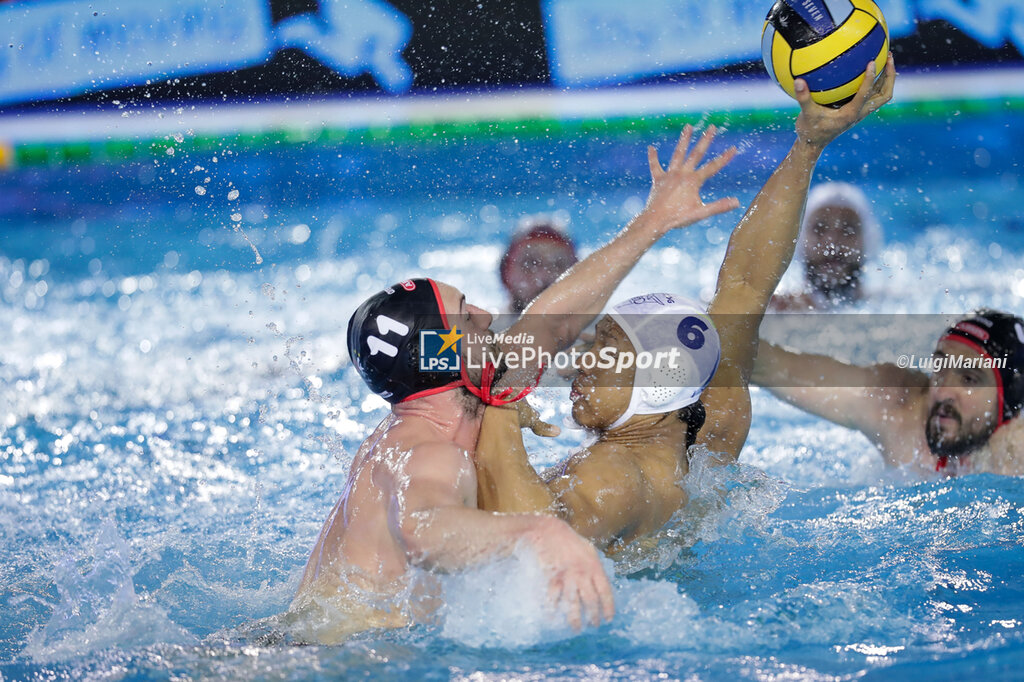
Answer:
(176, 421)
(98, 607)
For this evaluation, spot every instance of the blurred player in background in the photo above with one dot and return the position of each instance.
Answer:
(539, 252)
(839, 235)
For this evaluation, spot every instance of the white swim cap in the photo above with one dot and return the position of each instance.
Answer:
(843, 195)
(664, 322)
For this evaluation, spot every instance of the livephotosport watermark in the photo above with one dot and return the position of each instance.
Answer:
(908, 341)
(441, 350)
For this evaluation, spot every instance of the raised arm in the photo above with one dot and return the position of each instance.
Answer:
(441, 529)
(761, 249)
(571, 303)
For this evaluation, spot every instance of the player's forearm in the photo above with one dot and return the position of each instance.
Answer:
(762, 245)
(771, 368)
(818, 384)
(453, 538)
(788, 375)
(572, 302)
(778, 367)
(506, 481)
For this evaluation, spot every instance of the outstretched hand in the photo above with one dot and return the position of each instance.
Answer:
(818, 125)
(675, 200)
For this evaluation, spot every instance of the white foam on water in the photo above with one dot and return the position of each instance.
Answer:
(239, 393)
(654, 613)
(503, 604)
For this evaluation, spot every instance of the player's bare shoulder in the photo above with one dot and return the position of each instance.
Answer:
(899, 400)
(1004, 453)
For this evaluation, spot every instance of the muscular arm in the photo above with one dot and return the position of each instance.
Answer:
(855, 397)
(506, 481)
(599, 495)
(759, 252)
(760, 249)
(432, 496)
(433, 515)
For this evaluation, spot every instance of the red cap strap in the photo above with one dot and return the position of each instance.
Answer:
(487, 383)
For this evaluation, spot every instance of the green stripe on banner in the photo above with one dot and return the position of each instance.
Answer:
(42, 154)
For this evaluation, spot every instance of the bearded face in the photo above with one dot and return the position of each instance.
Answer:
(963, 402)
(834, 253)
(949, 436)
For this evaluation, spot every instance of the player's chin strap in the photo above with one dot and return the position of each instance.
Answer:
(487, 384)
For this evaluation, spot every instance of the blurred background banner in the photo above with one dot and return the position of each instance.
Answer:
(609, 42)
(69, 53)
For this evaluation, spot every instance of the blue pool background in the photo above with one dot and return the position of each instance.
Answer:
(176, 418)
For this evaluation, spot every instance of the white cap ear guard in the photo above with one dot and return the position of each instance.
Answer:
(680, 333)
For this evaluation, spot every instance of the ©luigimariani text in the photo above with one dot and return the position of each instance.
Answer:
(937, 363)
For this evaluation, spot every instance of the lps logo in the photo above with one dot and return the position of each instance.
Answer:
(440, 350)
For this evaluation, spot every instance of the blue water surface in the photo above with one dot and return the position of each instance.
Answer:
(177, 414)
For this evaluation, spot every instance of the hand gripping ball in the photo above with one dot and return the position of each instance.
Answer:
(828, 43)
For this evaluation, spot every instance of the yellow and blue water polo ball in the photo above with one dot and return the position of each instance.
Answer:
(828, 43)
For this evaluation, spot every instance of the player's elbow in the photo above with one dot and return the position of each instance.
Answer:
(740, 302)
(753, 291)
(412, 531)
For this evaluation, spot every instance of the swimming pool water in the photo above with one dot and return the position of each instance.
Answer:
(176, 418)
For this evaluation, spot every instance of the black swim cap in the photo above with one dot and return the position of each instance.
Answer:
(997, 335)
(383, 341)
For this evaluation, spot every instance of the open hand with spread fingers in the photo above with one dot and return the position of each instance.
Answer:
(675, 199)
